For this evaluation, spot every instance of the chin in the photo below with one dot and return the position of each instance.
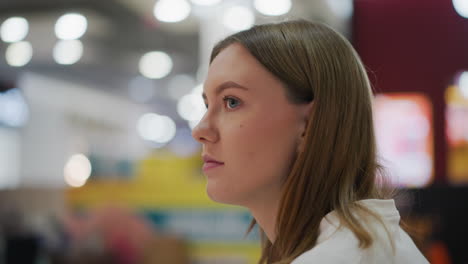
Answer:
(220, 196)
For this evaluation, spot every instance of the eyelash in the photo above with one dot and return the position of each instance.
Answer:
(226, 99)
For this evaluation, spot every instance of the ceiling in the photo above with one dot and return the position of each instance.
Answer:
(120, 32)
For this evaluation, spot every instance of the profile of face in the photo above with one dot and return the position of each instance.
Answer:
(250, 133)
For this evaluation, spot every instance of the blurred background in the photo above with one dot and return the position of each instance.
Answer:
(98, 99)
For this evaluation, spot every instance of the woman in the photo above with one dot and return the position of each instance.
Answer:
(288, 134)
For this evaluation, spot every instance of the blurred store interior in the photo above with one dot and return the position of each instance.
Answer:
(98, 99)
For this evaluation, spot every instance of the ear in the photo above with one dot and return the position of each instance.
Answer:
(306, 113)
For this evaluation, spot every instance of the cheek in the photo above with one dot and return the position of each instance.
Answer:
(257, 152)
(269, 141)
(261, 150)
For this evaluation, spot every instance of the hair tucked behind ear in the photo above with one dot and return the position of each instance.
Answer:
(338, 164)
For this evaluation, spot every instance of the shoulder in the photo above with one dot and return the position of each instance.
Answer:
(343, 247)
(340, 247)
(338, 244)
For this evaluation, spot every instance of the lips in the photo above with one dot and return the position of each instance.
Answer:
(210, 163)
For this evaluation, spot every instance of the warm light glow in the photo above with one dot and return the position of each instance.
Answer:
(68, 52)
(157, 128)
(171, 11)
(71, 26)
(273, 7)
(77, 170)
(238, 18)
(155, 65)
(461, 6)
(404, 138)
(19, 54)
(14, 29)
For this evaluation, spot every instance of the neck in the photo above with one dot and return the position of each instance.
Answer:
(265, 213)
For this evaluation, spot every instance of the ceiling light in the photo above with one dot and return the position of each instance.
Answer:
(14, 29)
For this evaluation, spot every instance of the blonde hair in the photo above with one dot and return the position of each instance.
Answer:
(338, 163)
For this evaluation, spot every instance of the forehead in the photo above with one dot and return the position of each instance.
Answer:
(235, 63)
(233, 55)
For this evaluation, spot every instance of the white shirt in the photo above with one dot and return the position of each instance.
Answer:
(336, 245)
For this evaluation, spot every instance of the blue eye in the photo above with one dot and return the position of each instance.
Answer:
(231, 102)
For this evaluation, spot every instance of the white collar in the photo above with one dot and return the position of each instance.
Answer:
(384, 208)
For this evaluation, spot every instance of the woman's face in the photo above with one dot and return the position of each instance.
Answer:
(250, 128)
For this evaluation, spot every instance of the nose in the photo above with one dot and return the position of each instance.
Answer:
(204, 132)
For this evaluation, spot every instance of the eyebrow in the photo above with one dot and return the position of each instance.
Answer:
(224, 86)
